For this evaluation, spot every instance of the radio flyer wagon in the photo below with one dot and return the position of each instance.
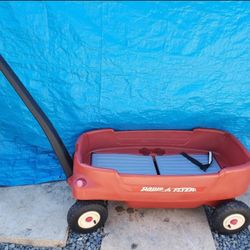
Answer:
(149, 169)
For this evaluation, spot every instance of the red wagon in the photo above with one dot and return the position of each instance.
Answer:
(150, 168)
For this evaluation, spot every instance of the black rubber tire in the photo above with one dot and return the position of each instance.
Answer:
(81, 207)
(224, 210)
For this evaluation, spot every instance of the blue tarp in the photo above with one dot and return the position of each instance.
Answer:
(124, 65)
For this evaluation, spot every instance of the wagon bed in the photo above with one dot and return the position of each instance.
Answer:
(129, 165)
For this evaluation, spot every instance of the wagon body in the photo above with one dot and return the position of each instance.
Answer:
(157, 191)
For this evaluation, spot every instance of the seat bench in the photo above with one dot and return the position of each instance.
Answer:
(145, 165)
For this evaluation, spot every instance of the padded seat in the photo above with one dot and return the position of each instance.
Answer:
(179, 165)
(125, 163)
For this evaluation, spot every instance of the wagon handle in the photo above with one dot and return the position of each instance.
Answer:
(48, 128)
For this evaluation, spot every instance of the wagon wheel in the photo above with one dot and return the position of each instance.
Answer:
(87, 216)
(231, 217)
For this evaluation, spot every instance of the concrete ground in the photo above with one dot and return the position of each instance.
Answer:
(156, 229)
(35, 215)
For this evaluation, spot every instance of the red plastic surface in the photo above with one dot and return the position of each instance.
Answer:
(161, 190)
